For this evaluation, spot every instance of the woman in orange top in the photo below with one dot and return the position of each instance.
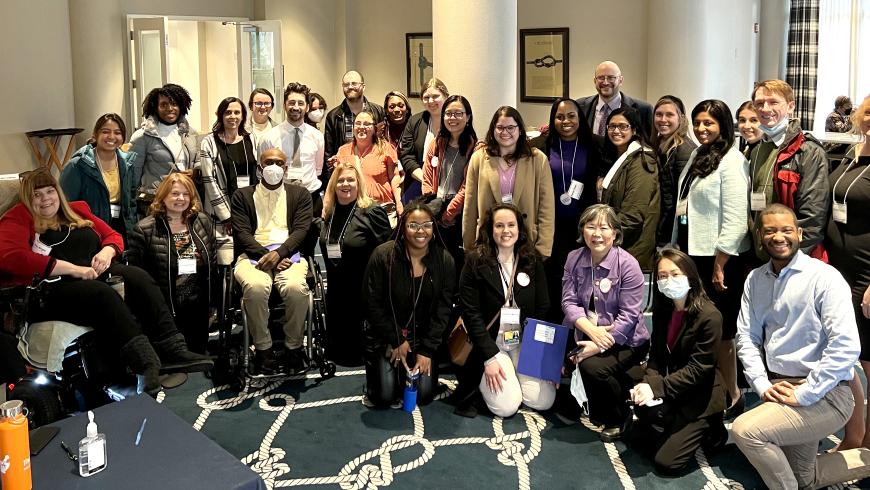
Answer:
(378, 161)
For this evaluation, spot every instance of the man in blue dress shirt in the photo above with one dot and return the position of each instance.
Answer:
(798, 341)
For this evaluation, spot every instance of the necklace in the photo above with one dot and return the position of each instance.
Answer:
(113, 163)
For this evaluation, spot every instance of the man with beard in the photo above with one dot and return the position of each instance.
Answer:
(304, 146)
(339, 121)
(788, 167)
(798, 340)
(608, 79)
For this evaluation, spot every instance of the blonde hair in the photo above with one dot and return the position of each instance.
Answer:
(38, 179)
(858, 114)
(675, 139)
(437, 84)
(158, 208)
(362, 197)
(776, 87)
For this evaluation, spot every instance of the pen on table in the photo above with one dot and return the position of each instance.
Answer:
(68, 451)
(141, 429)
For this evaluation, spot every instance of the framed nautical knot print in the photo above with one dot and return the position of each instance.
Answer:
(543, 64)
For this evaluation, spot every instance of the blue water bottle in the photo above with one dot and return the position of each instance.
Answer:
(409, 401)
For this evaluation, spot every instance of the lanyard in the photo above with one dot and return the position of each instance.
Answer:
(446, 179)
(501, 173)
(343, 228)
(564, 185)
(850, 185)
(52, 245)
(509, 297)
(752, 171)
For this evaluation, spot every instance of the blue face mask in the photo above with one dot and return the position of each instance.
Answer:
(776, 130)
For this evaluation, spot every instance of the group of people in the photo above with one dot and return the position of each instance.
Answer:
(421, 223)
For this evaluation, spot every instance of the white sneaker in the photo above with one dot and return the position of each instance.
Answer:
(366, 402)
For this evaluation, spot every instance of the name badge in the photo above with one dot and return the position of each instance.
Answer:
(575, 190)
(277, 235)
(839, 212)
(186, 266)
(545, 333)
(115, 209)
(507, 198)
(682, 207)
(511, 338)
(757, 201)
(39, 247)
(510, 318)
(333, 250)
(243, 181)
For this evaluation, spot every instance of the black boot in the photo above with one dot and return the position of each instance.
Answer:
(140, 356)
(175, 357)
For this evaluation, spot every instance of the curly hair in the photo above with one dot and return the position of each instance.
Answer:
(297, 88)
(173, 92)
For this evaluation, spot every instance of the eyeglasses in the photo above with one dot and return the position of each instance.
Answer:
(607, 78)
(365, 124)
(415, 227)
(506, 129)
(351, 85)
(454, 114)
(263, 104)
(622, 127)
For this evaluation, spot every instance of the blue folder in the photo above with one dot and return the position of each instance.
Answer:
(538, 357)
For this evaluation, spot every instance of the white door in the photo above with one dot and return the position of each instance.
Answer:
(260, 62)
(149, 57)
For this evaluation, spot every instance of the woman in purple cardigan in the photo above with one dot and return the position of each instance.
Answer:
(602, 294)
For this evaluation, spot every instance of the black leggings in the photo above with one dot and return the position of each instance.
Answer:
(93, 303)
(385, 383)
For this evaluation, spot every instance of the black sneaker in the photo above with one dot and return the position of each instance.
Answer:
(297, 361)
(266, 362)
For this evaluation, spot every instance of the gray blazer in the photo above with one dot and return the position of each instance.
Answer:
(154, 160)
(718, 206)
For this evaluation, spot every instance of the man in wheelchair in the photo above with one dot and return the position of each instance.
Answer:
(270, 223)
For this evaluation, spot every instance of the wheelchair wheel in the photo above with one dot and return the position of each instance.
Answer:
(327, 369)
(42, 403)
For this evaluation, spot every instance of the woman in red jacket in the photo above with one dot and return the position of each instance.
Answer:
(46, 236)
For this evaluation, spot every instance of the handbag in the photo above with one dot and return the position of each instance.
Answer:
(459, 343)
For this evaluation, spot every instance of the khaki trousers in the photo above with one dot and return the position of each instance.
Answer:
(256, 288)
(518, 388)
(782, 442)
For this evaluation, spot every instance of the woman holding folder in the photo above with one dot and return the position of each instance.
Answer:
(602, 293)
(502, 283)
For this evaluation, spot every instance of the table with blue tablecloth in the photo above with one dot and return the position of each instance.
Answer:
(170, 455)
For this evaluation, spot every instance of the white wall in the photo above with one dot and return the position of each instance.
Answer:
(37, 81)
(773, 40)
(221, 69)
(184, 64)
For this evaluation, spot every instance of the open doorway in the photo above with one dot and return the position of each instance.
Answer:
(211, 58)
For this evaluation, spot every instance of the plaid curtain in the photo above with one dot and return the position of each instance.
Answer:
(803, 57)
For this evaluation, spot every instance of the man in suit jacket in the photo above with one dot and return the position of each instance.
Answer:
(607, 81)
(270, 222)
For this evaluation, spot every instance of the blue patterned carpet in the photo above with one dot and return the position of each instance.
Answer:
(316, 434)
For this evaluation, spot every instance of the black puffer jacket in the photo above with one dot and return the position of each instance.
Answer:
(152, 249)
(671, 165)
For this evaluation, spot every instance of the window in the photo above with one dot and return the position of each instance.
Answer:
(844, 25)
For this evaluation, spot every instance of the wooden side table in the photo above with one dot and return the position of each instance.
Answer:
(52, 139)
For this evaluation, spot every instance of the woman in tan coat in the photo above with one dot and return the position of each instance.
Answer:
(509, 170)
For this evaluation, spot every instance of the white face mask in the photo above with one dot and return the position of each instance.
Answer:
(674, 287)
(316, 115)
(273, 174)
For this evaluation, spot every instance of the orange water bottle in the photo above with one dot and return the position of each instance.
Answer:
(14, 447)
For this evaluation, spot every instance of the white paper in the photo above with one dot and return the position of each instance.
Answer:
(39, 247)
(575, 190)
(507, 198)
(757, 201)
(545, 333)
(243, 181)
(510, 316)
(838, 212)
(96, 456)
(186, 266)
(115, 210)
(333, 250)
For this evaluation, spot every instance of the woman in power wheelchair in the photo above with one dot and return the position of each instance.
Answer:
(74, 252)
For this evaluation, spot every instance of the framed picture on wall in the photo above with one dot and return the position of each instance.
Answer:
(418, 51)
(543, 64)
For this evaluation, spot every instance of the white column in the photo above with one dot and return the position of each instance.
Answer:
(475, 53)
(702, 50)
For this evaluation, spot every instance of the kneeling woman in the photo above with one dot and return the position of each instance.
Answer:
(408, 290)
(45, 235)
(176, 246)
(602, 292)
(681, 369)
(503, 283)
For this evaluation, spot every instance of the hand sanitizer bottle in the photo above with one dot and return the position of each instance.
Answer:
(92, 450)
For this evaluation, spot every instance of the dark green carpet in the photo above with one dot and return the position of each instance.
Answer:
(311, 433)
